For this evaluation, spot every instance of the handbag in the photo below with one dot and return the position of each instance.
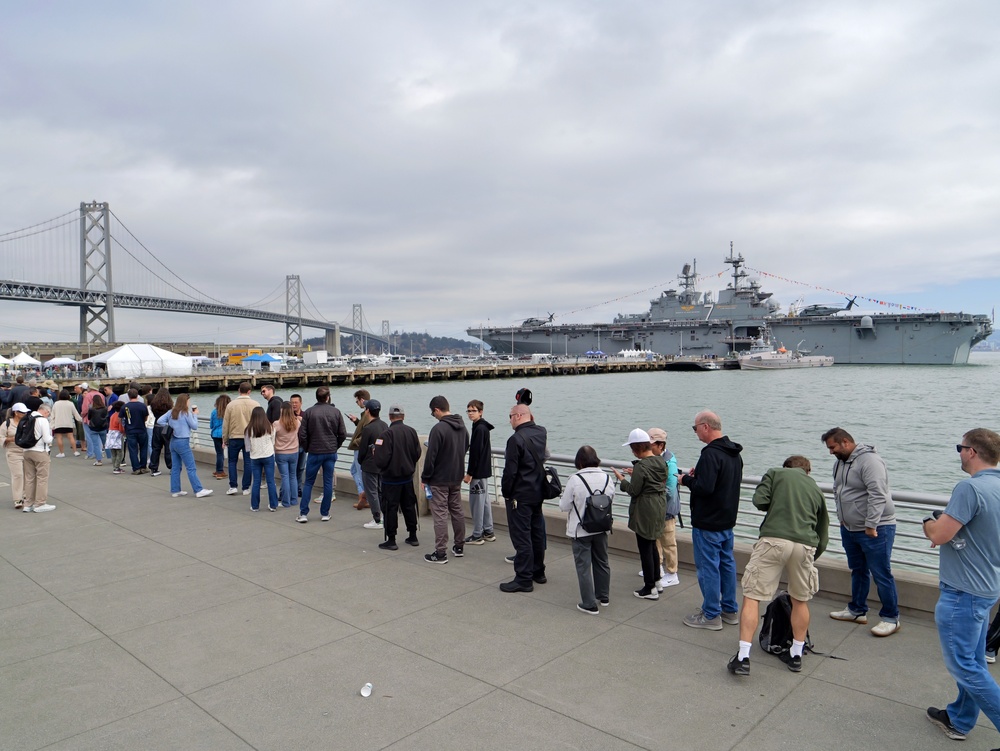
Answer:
(114, 440)
(166, 433)
(551, 486)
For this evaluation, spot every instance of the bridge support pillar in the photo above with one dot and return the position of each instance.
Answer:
(332, 343)
(293, 309)
(97, 322)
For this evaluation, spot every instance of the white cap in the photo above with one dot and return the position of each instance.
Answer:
(84, 386)
(637, 436)
(20, 407)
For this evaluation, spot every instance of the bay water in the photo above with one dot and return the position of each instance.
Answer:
(913, 415)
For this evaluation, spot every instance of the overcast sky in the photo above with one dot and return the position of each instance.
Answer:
(447, 164)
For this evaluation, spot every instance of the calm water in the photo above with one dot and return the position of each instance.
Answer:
(914, 415)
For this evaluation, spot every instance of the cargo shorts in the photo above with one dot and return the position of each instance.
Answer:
(771, 556)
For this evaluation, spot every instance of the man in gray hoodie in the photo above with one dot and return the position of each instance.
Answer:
(867, 528)
(444, 469)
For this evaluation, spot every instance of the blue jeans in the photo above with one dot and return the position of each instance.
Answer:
(88, 435)
(870, 555)
(181, 453)
(137, 447)
(99, 437)
(289, 482)
(356, 474)
(962, 620)
(314, 464)
(237, 446)
(265, 467)
(220, 455)
(713, 555)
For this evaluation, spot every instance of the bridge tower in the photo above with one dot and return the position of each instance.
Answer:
(385, 335)
(358, 324)
(293, 309)
(97, 322)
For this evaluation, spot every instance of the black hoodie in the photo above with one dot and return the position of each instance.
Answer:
(480, 459)
(715, 487)
(444, 463)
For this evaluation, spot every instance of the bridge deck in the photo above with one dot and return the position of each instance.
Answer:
(133, 620)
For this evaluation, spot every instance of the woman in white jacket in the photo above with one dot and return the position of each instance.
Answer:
(590, 549)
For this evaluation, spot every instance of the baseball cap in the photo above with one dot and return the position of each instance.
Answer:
(637, 436)
(657, 435)
(396, 409)
(84, 386)
(373, 404)
(19, 407)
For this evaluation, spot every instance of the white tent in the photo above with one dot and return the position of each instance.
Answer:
(58, 362)
(4, 362)
(135, 360)
(24, 359)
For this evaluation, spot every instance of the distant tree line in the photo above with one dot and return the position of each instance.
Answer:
(407, 343)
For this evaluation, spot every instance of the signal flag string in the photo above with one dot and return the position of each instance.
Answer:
(884, 303)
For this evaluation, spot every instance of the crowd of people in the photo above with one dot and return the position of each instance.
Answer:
(301, 443)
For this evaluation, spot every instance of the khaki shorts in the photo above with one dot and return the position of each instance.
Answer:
(770, 557)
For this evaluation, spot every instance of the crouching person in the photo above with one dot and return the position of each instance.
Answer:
(795, 532)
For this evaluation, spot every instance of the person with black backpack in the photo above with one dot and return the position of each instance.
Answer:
(34, 435)
(794, 533)
(587, 501)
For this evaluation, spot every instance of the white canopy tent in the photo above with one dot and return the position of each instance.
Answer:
(4, 362)
(24, 360)
(58, 362)
(137, 360)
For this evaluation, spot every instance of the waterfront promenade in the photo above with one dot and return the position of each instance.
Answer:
(132, 620)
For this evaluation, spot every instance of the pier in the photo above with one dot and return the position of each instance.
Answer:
(136, 620)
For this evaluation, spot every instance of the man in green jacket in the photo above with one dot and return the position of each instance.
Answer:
(795, 531)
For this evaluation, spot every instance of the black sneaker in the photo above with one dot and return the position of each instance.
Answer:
(605, 601)
(513, 586)
(412, 540)
(539, 579)
(739, 667)
(459, 552)
(590, 611)
(473, 540)
(793, 663)
(489, 536)
(435, 558)
(510, 559)
(389, 545)
(940, 718)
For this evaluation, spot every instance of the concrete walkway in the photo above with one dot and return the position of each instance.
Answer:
(132, 620)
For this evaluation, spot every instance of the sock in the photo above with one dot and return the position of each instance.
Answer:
(744, 650)
(796, 650)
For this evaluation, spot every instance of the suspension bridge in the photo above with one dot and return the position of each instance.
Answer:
(67, 260)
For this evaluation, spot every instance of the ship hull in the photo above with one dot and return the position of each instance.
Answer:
(906, 339)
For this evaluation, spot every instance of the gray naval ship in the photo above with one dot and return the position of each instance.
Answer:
(686, 322)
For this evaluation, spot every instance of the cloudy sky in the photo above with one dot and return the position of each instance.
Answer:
(447, 164)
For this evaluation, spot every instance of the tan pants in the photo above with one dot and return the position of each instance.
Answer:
(15, 462)
(36, 477)
(667, 545)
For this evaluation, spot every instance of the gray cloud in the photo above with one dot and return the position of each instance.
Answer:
(448, 163)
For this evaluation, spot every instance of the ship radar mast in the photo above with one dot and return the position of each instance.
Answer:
(738, 273)
(689, 283)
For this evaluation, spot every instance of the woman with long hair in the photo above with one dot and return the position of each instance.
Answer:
(646, 484)
(98, 416)
(65, 415)
(160, 404)
(259, 439)
(215, 422)
(286, 452)
(182, 420)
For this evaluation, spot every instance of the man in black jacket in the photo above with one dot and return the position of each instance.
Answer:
(521, 485)
(321, 433)
(273, 403)
(444, 469)
(370, 474)
(396, 453)
(715, 499)
(479, 471)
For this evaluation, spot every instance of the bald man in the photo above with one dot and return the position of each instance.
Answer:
(521, 485)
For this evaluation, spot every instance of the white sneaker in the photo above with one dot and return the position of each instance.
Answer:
(232, 491)
(43, 507)
(178, 494)
(847, 615)
(668, 580)
(302, 519)
(374, 525)
(76, 453)
(60, 456)
(203, 492)
(325, 518)
(246, 492)
(886, 628)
